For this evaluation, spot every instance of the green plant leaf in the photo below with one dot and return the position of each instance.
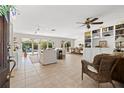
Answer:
(4, 9)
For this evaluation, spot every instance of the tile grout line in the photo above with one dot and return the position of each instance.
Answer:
(36, 70)
(25, 72)
(35, 67)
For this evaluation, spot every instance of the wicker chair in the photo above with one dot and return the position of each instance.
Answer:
(104, 64)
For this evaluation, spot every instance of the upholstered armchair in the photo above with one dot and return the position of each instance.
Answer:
(104, 65)
(48, 56)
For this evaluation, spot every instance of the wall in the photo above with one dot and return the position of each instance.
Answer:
(79, 40)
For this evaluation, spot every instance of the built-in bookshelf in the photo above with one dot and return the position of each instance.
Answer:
(101, 38)
(105, 40)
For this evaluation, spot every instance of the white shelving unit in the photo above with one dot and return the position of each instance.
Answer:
(102, 41)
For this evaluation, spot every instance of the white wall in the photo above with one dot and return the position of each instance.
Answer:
(79, 40)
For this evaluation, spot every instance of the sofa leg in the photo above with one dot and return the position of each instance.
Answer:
(82, 70)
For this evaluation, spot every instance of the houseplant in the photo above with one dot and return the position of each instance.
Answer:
(4, 9)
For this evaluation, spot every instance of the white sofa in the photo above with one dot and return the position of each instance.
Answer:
(48, 56)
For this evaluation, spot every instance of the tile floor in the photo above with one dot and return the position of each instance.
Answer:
(64, 74)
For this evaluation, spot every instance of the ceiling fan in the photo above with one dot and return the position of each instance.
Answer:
(90, 21)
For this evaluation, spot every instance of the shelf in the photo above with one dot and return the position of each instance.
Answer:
(96, 38)
(120, 29)
(106, 36)
(100, 47)
(87, 38)
(120, 35)
(108, 31)
(119, 26)
(119, 47)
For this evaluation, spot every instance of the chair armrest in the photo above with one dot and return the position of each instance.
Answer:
(88, 63)
(85, 68)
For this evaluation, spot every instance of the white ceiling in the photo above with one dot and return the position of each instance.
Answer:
(62, 18)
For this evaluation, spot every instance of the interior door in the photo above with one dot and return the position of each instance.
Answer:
(4, 52)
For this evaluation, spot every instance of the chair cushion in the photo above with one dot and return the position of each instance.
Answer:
(105, 68)
(92, 69)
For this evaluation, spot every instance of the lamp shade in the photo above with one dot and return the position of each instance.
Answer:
(120, 39)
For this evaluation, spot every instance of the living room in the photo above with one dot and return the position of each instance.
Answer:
(50, 46)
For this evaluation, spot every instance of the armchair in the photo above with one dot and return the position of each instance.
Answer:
(48, 56)
(104, 65)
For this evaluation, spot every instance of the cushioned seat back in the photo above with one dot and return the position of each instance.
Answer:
(118, 73)
(107, 63)
(97, 59)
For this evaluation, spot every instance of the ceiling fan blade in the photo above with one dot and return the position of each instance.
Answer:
(93, 19)
(97, 23)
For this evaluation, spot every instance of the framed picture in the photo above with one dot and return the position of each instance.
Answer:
(103, 43)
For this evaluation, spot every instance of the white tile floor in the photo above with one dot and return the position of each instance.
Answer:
(65, 74)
